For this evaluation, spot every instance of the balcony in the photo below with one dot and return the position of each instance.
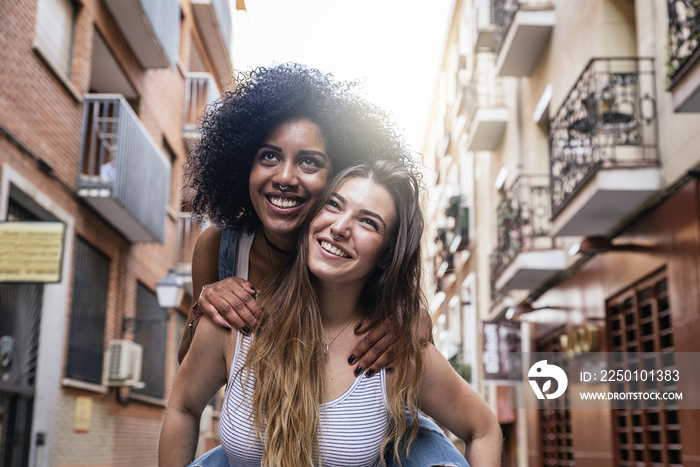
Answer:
(124, 175)
(188, 229)
(486, 111)
(683, 54)
(200, 91)
(522, 32)
(525, 254)
(484, 26)
(151, 27)
(604, 162)
(213, 18)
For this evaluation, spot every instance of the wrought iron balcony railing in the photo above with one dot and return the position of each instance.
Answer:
(608, 120)
(123, 173)
(683, 35)
(524, 221)
(504, 12)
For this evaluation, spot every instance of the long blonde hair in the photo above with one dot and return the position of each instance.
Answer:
(286, 353)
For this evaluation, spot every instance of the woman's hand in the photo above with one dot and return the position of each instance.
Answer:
(230, 302)
(374, 351)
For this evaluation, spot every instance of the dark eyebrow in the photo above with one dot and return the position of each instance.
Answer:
(303, 152)
(309, 152)
(366, 212)
(369, 213)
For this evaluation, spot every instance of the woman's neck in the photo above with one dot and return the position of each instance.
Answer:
(264, 260)
(338, 302)
(282, 244)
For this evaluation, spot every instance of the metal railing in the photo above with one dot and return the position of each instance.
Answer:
(523, 221)
(484, 90)
(164, 17)
(200, 91)
(504, 12)
(120, 160)
(188, 229)
(683, 34)
(607, 120)
(222, 10)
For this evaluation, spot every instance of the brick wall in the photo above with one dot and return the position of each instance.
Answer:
(44, 115)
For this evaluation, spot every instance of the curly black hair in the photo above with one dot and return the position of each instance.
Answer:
(355, 131)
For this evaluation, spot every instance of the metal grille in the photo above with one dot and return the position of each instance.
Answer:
(89, 305)
(20, 316)
(639, 320)
(152, 333)
(557, 442)
(15, 428)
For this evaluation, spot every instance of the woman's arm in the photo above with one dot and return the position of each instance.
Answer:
(230, 301)
(450, 400)
(203, 372)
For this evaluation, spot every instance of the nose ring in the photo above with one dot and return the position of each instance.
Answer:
(283, 187)
(334, 235)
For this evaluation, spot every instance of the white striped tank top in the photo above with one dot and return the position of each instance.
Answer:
(352, 427)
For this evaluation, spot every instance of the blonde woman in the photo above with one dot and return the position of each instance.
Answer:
(289, 400)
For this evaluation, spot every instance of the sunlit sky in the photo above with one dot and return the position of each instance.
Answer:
(393, 46)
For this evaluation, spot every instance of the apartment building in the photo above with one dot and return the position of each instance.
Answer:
(98, 109)
(566, 214)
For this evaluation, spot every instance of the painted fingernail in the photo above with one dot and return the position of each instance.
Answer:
(357, 328)
(227, 327)
(358, 371)
(369, 373)
(245, 329)
(351, 359)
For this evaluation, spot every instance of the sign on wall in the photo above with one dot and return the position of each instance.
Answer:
(31, 251)
(500, 338)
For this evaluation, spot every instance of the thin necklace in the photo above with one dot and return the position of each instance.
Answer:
(273, 246)
(327, 345)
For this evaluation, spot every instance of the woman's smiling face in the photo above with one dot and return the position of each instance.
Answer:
(289, 171)
(349, 236)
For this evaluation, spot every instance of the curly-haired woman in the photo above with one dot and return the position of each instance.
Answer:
(267, 150)
(289, 401)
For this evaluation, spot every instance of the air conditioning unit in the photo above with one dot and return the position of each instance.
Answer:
(122, 364)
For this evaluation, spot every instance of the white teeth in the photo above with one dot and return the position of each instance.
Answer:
(284, 203)
(334, 250)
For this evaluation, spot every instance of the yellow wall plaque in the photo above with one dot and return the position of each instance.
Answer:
(83, 413)
(31, 251)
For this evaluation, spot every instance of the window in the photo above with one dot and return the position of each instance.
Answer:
(87, 322)
(55, 20)
(557, 442)
(151, 331)
(639, 320)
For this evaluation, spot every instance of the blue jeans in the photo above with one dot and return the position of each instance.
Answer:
(214, 458)
(431, 448)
